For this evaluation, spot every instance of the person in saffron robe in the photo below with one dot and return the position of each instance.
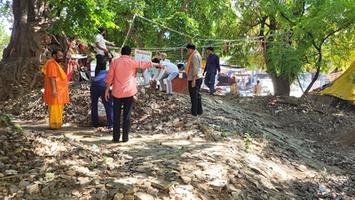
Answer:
(56, 89)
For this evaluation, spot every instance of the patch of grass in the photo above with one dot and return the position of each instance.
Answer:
(247, 142)
(226, 134)
(324, 175)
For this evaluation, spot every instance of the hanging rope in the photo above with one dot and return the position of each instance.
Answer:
(162, 25)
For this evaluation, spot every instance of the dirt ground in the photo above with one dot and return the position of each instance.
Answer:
(240, 148)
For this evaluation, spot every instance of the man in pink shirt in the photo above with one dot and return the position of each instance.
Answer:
(122, 77)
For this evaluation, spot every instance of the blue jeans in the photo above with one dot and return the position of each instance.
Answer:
(97, 92)
(210, 79)
(169, 78)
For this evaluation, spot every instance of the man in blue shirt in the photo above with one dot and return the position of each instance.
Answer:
(97, 90)
(211, 69)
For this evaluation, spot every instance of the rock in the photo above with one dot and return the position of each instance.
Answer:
(33, 189)
(13, 188)
(101, 195)
(218, 184)
(46, 191)
(186, 180)
(162, 185)
(1, 175)
(143, 196)
(129, 197)
(323, 189)
(118, 196)
(237, 194)
(71, 172)
(83, 180)
(24, 184)
(10, 172)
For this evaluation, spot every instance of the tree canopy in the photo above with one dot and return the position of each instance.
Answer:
(285, 37)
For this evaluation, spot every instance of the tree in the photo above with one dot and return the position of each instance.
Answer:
(293, 34)
(34, 19)
(21, 58)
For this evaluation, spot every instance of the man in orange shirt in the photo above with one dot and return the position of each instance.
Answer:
(56, 92)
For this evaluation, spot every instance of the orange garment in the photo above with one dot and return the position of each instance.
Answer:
(189, 62)
(53, 69)
(55, 116)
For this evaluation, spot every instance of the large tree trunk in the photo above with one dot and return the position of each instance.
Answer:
(281, 86)
(22, 58)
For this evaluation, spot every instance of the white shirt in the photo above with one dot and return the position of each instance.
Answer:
(168, 68)
(102, 43)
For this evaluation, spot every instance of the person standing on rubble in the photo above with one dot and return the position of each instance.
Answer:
(211, 69)
(194, 77)
(56, 89)
(121, 76)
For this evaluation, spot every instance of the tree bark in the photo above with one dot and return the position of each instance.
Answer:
(22, 57)
(315, 77)
(281, 86)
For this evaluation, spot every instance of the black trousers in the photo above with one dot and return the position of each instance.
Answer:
(101, 62)
(119, 104)
(195, 95)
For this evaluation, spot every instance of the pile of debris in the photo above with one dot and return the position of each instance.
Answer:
(32, 107)
(152, 107)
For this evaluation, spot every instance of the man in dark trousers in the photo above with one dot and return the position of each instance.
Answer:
(211, 69)
(101, 50)
(194, 77)
(97, 90)
(122, 77)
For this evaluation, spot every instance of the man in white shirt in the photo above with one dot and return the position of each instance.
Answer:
(168, 72)
(101, 50)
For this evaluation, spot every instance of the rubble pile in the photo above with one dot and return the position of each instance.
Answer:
(240, 148)
(152, 109)
(32, 107)
(35, 165)
(155, 112)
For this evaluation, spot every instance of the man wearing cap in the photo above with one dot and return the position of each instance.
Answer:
(194, 77)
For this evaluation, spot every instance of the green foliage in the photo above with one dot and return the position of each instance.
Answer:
(284, 60)
(6, 122)
(296, 36)
(247, 142)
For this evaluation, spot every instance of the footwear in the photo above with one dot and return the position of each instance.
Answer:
(125, 140)
(115, 141)
(170, 95)
(116, 138)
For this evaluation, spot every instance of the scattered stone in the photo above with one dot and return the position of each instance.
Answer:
(33, 188)
(118, 196)
(101, 195)
(13, 188)
(23, 184)
(186, 179)
(10, 172)
(46, 191)
(83, 180)
(162, 185)
(143, 196)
